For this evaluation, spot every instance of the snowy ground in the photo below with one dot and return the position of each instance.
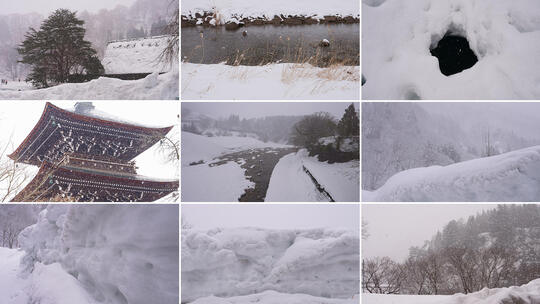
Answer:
(273, 81)
(526, 294)
(273, 297)
(397, 36)
(232, 10)
(15, 86)
(224, 183)
(153, 87)
(511, 176)
(240, 261)
(289, 182)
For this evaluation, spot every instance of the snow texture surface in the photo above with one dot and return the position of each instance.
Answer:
(240, 261)
(398, 35)
(273, 297)
(152, 87)
(526, 294)
(289, 181)
(511, 176)
(235, 10)
(272, 81)
(136, 56)
(118, 254)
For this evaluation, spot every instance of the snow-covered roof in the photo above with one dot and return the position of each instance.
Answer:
(136, 56)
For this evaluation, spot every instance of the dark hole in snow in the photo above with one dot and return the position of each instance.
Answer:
(454, 54)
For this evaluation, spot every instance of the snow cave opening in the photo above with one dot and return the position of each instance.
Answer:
(454, 54)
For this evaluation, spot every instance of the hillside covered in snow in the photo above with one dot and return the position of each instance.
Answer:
(511, 176)
(242, 265)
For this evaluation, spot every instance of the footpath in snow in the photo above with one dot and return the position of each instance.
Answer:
(290, 181)
(240, 261)
(526, 294)
(398, 35)
(511, 176)
(152, 87)
(272, 81)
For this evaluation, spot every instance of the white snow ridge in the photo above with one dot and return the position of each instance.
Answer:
(247, 265)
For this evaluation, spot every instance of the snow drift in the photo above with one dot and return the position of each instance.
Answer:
(289, 181)
(512, 176)
(119, 254)
(397, 37)
(152, 87)
(241, 261)
(526, 294)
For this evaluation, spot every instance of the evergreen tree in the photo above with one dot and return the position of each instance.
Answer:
(349, 125)
(58, 50)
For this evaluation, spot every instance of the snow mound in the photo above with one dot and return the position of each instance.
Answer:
(273, 297)
(272, 81)
(512, 176)
(150, 88)
(290, 183)
(119, 254)
(234, 10)
(136, 56)
(398, 35)
(240, 261)
(525, 294)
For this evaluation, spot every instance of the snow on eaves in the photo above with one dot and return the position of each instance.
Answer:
(511, 176)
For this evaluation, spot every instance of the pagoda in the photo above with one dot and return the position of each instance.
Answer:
(85, 156)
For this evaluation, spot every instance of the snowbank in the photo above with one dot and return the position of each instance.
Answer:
(273, 81)
(152, 87)
(397, 36)
(11, 283)
(289, 181)
(136, 56)
(512, 176)
(273, 297)
(526, 294)
(240, 261)
(234, 10)
(119, 254)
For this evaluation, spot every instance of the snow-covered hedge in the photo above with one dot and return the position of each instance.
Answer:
(120, 254)
(240, 261)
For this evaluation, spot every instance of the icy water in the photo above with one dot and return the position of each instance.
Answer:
(268, 43)
(259, 164)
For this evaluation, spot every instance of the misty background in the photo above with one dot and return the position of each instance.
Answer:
(266, 121)
(105, 21)
(272, 216)
(404, 135)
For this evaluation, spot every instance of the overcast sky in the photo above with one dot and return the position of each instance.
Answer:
(45, 7)
(273, 216)
(17, 118)
(393, 229)
(261, 109)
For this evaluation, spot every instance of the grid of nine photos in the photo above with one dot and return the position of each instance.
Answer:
(216, 152)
